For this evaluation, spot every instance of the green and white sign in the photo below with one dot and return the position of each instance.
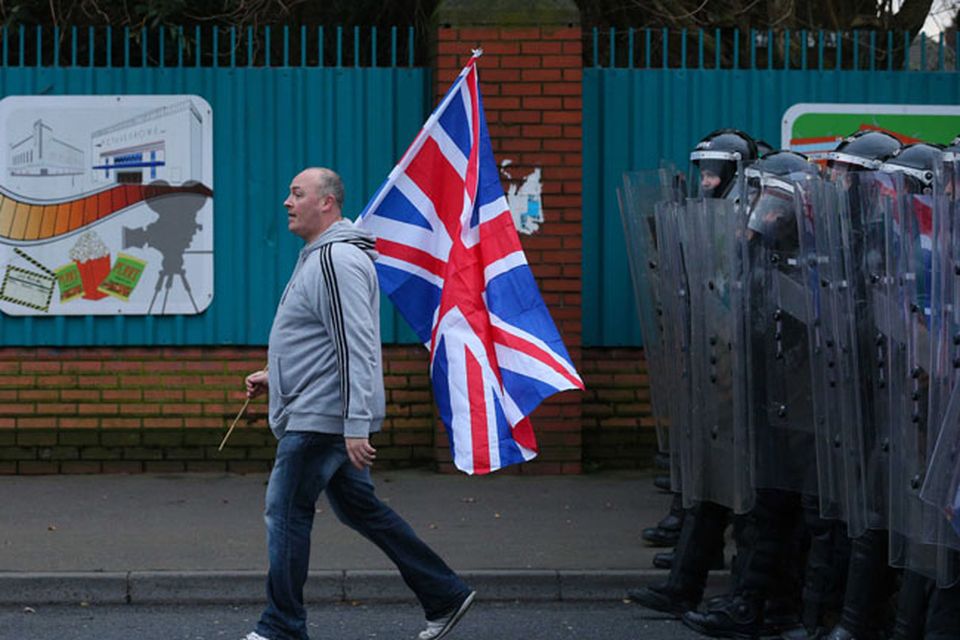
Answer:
(815, 129)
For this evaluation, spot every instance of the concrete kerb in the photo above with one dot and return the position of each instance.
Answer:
(233, 587)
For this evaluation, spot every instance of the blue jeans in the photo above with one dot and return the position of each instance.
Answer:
(306, 464)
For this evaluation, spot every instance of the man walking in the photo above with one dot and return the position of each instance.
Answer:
(325, 384)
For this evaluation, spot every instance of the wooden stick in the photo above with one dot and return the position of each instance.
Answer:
(235, 421)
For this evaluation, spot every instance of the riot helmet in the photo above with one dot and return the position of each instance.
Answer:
(763, 148)
(917, 163)
(718, 157)
(862, 151)
(772, 213)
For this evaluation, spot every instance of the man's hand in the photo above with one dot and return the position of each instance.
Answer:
(256, 384)
(361, 452)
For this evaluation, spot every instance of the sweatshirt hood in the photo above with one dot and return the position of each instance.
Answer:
(345, 231)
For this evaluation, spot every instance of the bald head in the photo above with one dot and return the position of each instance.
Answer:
(326, 182)
(315, 202)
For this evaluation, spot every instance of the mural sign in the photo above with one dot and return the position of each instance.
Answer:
(816, 129)
(106, 205)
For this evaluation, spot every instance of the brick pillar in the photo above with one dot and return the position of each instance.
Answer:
(531, 82)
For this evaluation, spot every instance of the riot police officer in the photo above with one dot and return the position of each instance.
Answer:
(719, 159)
(870, 581)
(766, 586)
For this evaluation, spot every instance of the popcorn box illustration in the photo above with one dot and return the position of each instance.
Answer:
(92, 258)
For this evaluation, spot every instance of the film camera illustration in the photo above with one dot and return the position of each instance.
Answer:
(171, 234)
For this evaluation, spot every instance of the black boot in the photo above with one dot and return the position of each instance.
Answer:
(781, 617)
(664, 560)
(764, 570)
(739, 617)
(667, 531)
(662, 483)
(701, 539)
(825, 576)
(663, 598)
(657, 537)
(915, 594)
(943, 613)
(869, 586)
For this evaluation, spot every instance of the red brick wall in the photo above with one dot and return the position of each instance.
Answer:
(617, 424)
(167, 409)
(530, 80)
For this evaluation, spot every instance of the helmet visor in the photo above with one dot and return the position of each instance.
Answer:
(773, 214)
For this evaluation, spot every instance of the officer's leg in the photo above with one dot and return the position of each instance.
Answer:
(701, 539)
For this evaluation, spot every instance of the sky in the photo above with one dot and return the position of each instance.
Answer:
(941, 14)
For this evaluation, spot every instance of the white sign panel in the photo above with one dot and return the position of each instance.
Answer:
(106, 205)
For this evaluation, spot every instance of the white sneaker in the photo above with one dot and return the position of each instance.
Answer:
(253, 635)
(440, 627)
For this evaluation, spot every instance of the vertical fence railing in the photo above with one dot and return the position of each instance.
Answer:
(767, 49)
(203, 46)
(636, 115)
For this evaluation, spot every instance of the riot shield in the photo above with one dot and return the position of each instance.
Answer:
(675, 301)
(719, 466)
(910, 222)
(780, 393)
(941, 492)
(912, 522)
(944, 299)
(941, 487)
(836, 385)
(638, 195)
(869, 269)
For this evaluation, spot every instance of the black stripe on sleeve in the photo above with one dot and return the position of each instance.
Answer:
(339, 331)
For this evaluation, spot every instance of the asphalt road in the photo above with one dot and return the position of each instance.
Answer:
(493, 621)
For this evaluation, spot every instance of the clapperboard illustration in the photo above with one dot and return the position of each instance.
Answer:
(31, 286)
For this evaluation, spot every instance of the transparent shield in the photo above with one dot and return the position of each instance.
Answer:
(836, 299)
(940, 491)
(910, 219)
(868, 240)
(676, 338)
(855, 448)
(781, 394)
(945, 327)
(945, 279)
(720, 471)
(638, 195)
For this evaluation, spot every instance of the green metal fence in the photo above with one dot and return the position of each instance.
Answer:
(644, 104)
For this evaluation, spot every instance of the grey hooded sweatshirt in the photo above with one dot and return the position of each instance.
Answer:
(326, 371)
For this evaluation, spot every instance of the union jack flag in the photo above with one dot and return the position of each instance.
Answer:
(451, 261)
